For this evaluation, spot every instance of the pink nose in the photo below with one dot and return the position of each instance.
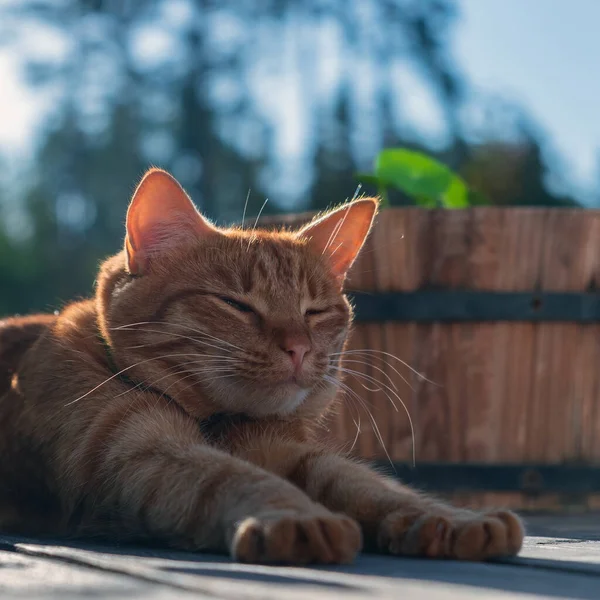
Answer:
(296, 349)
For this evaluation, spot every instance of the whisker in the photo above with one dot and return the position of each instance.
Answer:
(191, 384)
(143, 384)
(164, 393)
(198, 331)
(371, 365)
(357, 432)
(221, 377)
(338, 228)
(390, 366)
(358, 375)
(371, 351)
(333, 235)
(205, 368)
(245, 207)
(336, 248)
(190, 374)
(351, 406)
(260, 213)
(115, 375)
(371, 380)
(169, 333)
(376, 429)
(253, 236)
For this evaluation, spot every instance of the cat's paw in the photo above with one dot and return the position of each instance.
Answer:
(463, 536)
(297, 539)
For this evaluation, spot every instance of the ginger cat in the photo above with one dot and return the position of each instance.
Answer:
(180, 403)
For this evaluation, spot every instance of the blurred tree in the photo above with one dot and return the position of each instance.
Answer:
(286, 98)
(511, 174)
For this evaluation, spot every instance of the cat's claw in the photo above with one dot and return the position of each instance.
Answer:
(464, 536)
(329, 539)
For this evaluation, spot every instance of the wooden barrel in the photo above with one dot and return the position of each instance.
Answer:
(484, 326)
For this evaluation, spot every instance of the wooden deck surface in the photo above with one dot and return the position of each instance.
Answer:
(561, 559)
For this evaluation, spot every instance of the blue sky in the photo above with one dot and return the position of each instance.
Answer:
(545, 54)
(542, 54)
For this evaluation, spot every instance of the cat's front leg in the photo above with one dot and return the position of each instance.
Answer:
(156, 477)
(395, 519)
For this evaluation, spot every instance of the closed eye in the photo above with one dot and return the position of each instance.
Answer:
(241, 306)
(315, 311)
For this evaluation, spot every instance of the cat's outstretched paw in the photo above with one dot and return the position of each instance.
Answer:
(464, 536)
(297, 539)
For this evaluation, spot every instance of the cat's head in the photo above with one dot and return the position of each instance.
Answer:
(235, 320)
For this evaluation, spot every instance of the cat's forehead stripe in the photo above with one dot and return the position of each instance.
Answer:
(273, 264)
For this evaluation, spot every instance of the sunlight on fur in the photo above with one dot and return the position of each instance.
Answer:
(182, 402)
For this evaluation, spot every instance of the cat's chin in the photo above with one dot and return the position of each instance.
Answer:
(296, 396)
(270, 401)
(284, 400)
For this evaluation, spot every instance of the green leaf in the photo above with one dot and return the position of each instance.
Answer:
(456, 194)
(426, 180)
(425, 202)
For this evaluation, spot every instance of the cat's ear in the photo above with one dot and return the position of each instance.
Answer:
(340, 234)
(160, 216)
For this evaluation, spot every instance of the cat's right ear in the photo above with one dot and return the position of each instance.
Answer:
(340, 234)
(161, 216)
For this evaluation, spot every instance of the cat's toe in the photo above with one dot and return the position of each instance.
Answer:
(428, 535)
(515, 531)
(480, 537)
(463, 537)
(331, 539)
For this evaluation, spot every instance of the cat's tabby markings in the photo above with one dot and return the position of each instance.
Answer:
(181, 402)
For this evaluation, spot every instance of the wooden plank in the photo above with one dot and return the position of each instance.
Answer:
(559, 411)
(503, 238)
(401, 232)
(437, 422)
(395, 270)
(520, 254)
(586, 381)
(24, 576)
(450, 270)
(588, 388)
(560, 559)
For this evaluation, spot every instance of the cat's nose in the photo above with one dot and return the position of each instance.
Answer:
(297, 348)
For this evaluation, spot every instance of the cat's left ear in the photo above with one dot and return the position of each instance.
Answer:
(161, 216)
(340, 234)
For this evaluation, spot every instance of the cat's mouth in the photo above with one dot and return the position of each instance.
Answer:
(295, 384)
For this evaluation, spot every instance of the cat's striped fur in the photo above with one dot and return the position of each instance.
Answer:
(227, 345)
